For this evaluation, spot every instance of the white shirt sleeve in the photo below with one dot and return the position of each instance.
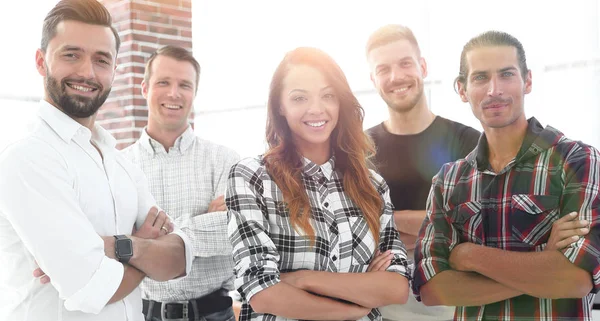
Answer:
(38, 199)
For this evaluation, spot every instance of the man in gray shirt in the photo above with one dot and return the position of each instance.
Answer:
(187, 176)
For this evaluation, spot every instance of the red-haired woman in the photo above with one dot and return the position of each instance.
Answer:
(308, 216)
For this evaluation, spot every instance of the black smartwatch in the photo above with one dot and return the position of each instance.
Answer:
(123, 248)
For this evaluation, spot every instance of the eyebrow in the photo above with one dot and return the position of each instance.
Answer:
(105, 54)
(399, 60)
(305, 91)
(501, 70)
(187, 82)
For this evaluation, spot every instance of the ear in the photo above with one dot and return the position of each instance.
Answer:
(40, 62)
(462, 92)
(423, 64)
(528, 82)
(144, 89)
(372, 79)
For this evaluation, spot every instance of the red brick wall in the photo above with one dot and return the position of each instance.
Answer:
(143, 26)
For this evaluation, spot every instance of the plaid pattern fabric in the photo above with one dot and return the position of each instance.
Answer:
(184, 182)
(513, 210)
(265, 244)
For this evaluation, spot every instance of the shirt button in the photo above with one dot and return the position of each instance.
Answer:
(326, 204)
(334, 258)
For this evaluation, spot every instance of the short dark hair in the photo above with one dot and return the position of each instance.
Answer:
(175, 52)
(391, 33)
(490, 39)
(86, 11)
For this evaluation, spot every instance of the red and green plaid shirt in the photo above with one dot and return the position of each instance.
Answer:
(513, 210)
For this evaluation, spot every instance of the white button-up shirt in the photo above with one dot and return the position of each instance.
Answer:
(57, 196)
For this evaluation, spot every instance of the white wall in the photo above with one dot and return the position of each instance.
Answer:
(239, 49)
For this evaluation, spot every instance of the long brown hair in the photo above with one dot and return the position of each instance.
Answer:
(351, 146)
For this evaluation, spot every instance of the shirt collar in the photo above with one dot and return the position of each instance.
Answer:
(68, 129)
(311, 169)
(182, 143)
(537, 139)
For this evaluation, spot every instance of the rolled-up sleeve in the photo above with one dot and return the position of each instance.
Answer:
(581, 194)
(389, 237)
(254, 253)
(436, 238)
(38, 199)
(146, 202)
(208, 231)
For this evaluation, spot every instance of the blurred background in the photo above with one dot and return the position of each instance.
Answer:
(239, 44)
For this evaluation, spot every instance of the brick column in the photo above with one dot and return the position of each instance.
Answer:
(143, 26)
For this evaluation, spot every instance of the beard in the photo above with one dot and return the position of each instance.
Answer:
(405, 106)
(75, 106)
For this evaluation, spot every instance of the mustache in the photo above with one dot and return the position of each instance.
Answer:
(87, 82)
(496, 101)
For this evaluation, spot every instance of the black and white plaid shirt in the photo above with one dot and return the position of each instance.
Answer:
(265, 243)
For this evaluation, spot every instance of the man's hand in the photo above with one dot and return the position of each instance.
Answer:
(38, 273)
(565, 231)
(109, 246)
(381, 261)
(157, 224)
(460, 255)
(217, 205)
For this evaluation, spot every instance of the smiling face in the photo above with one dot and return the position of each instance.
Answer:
(495, 87)
(170, 92)
(397, 71)
(78, 67)
(310, 107)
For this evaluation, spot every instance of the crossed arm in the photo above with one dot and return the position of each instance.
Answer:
(471, 275)
(156, 254)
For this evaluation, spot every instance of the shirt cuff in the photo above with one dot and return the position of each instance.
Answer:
(585, 256)
(189, 256)
(425, 270)
(400, 268)
(258, 284)
(209, 234)
(94, 296)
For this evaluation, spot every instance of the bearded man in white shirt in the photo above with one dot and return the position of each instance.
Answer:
(70, 204)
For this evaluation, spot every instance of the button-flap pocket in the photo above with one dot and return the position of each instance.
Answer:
(532, 217)
(466, 218)
(534, 204)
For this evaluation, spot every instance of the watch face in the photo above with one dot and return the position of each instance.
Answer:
(124, 248)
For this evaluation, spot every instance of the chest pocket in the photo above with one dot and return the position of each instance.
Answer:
(532, 217)
(362, 242)
(466, 219)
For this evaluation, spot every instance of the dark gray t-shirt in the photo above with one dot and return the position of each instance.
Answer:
(409, 162)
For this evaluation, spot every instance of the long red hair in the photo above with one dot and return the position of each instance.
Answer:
(351, 146)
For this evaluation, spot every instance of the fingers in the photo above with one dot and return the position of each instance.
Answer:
(45, 279)
(152, 215)
(566, 242)
(380, 261)
(161, 218)
(38, 273)
(167, 227)
(218, 204)
(569, 217)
